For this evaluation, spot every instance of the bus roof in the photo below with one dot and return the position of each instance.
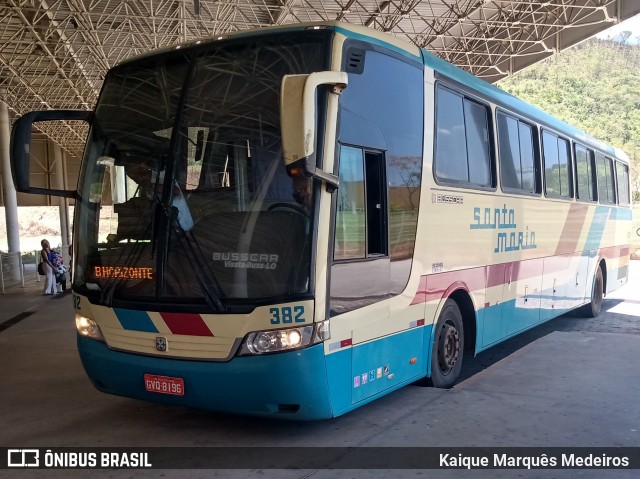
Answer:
(347, 29)
(514, 104)
(430, 60)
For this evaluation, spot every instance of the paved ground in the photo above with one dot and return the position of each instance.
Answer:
(570, 382)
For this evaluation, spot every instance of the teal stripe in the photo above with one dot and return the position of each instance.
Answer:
(596, 229)
(621, 214)
(133, 320)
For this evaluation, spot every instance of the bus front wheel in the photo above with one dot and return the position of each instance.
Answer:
(448, 346)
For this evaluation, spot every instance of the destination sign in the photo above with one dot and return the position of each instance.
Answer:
(122, 272)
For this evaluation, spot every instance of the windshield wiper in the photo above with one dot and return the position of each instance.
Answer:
(208, 283)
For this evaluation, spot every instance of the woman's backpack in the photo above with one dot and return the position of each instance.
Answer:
(41, 268)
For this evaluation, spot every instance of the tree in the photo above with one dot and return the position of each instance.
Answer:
(594, 87)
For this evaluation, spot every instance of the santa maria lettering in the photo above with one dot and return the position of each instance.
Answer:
(504, 218)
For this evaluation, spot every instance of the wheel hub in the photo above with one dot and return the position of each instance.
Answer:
(449, 348)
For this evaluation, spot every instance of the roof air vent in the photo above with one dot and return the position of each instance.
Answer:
(355, 60)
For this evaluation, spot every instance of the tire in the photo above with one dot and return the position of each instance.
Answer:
(593, 309)
(448, 347)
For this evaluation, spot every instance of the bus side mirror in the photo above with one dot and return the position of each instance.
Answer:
(298, 108)
(20, 147)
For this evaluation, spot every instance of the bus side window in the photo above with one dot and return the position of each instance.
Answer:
(622, 174)
(463, 147)
(557, 174)
(604, 169)
(518, 172)
(585, 179)
(361, 230)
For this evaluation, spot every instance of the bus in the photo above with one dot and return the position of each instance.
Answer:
(294, 221)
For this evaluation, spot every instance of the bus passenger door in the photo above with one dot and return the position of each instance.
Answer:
(375, 211)
(360, 271)
(384, 351)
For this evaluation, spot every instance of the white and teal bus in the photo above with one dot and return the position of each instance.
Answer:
(295, 221)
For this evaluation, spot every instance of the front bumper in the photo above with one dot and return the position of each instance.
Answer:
(290, 385)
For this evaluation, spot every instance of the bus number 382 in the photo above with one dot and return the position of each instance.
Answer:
(287, 315)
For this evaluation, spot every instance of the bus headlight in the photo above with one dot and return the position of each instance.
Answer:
(88, 327)
(275, 340)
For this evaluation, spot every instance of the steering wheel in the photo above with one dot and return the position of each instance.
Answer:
(298, 209)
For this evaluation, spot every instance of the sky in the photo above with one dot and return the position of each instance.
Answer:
(632, 25)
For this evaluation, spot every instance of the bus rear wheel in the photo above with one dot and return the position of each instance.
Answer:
(593, 309)
(448, 347)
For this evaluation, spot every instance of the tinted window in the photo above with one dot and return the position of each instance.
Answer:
(381, 113)
(527, 159)
(351, 217)
(517, 158)
(556, 165)
(451, 144)
(604, 169)
(463, 152)
(585, 189)
(477, 128)
(199, 128)
(393, 123)
(622, 172)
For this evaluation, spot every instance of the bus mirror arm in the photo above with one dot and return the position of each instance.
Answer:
(298, 111)
(332, 181)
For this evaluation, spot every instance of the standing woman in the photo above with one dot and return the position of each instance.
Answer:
(50, 277)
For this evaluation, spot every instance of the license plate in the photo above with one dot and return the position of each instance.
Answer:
(164, 384)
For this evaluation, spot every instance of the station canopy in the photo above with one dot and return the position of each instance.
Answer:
(54, 53)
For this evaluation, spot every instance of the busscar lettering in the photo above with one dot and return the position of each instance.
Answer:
(122, 272)
(247, 260)
(447, 199)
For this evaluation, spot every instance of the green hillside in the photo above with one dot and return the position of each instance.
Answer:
(594, 86)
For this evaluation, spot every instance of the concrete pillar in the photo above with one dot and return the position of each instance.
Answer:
(9, 191)
(63, 203)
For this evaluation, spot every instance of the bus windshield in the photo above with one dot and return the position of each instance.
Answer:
(184, 196)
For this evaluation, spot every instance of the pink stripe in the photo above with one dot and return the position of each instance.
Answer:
(433, 287)
(615, 252)
(572, 228)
